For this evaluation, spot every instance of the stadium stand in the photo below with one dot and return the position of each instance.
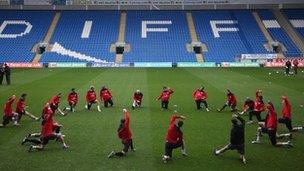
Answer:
(296, 17)
(241, 36)
(166, 41)
(84, 43)
(277, 33)
(20, 31)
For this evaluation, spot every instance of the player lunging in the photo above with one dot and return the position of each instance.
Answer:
(174, 138)
(72, 100)
(270, 127)
(91, 99)
(165, 96)
(20, 109)
(200, 96)
(231, 102)
(137, 99)
(125, 134)
(237, 141)
(106, 96)
(286, 116)
(9, 115)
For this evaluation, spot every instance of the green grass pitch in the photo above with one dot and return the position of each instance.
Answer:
(92, 135)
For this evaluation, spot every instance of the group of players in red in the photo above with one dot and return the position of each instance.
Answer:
(174, 138)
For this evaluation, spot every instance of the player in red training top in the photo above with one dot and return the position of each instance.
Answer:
(125, 134)
(174, 138)
(200, 96)
(295, 66)
(106, 96)
(137, 99)
(165, 96)
(91, 99)
(270, 127)
(72, 100)
(47, 130)
(9, 115)
(20, 109)
(54, 103)
(286, 116)
(258, 107)
(248, 106)
(231, 102)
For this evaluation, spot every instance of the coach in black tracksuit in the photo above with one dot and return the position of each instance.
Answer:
(7, 71)
(2, 72)
(237, 141)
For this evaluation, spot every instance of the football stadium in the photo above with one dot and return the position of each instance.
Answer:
(151, 84)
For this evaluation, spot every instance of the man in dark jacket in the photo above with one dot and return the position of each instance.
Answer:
(237, 141)
(287, 67)
(2, 72)
(7, 71)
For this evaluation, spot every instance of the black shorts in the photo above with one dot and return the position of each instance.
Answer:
(127, 145)
(169, 147)
(20, 113)
(272, 135)
(45, 140)
(287, 122)
(93, 101)
(54, 107)
(239, 147)
(7, 119)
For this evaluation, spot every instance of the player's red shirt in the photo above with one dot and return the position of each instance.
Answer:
(231, 99)
(47, 127)
(165, 95)
(138, 96)
(91, 96)
(20, 106)
(8, 111)
(55, 100)
(259, 105)
(105, 94)
(174, 134)
(286, 110)
(295, 63)
(73, 97)
(124, 132)
(199, 95)
(271, 121)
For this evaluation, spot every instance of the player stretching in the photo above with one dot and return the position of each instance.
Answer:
(9, 115)
(72, 100)
(54, 103)
(248, 106)
(270, 127)
(258, 108)
(237, 141)
(106, 96)
(286, 116)
(124, 133)
(137, 99)
(47, 131)
(20, 109)
(231, 102)
(174, 138)
(91, 99)
(200, 96)
(165, 96)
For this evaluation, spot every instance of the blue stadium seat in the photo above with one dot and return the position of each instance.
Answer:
(279, 34)
(167, 46)
(18, 48)
(104, 31)
(296, 16)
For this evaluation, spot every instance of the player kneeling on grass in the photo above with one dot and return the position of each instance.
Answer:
(286, 116)
(165, 96)
(20, 109)
(200, 96)
(137, 99)
(270, 127)
(248, 106)
(72, 100)
(237, 141)
(106, 96)
(174, 138)
(47, 131)
(231, 102)
(9, 114)
(124, 133)
(91, 99)
(258, 108)
(54, 104)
